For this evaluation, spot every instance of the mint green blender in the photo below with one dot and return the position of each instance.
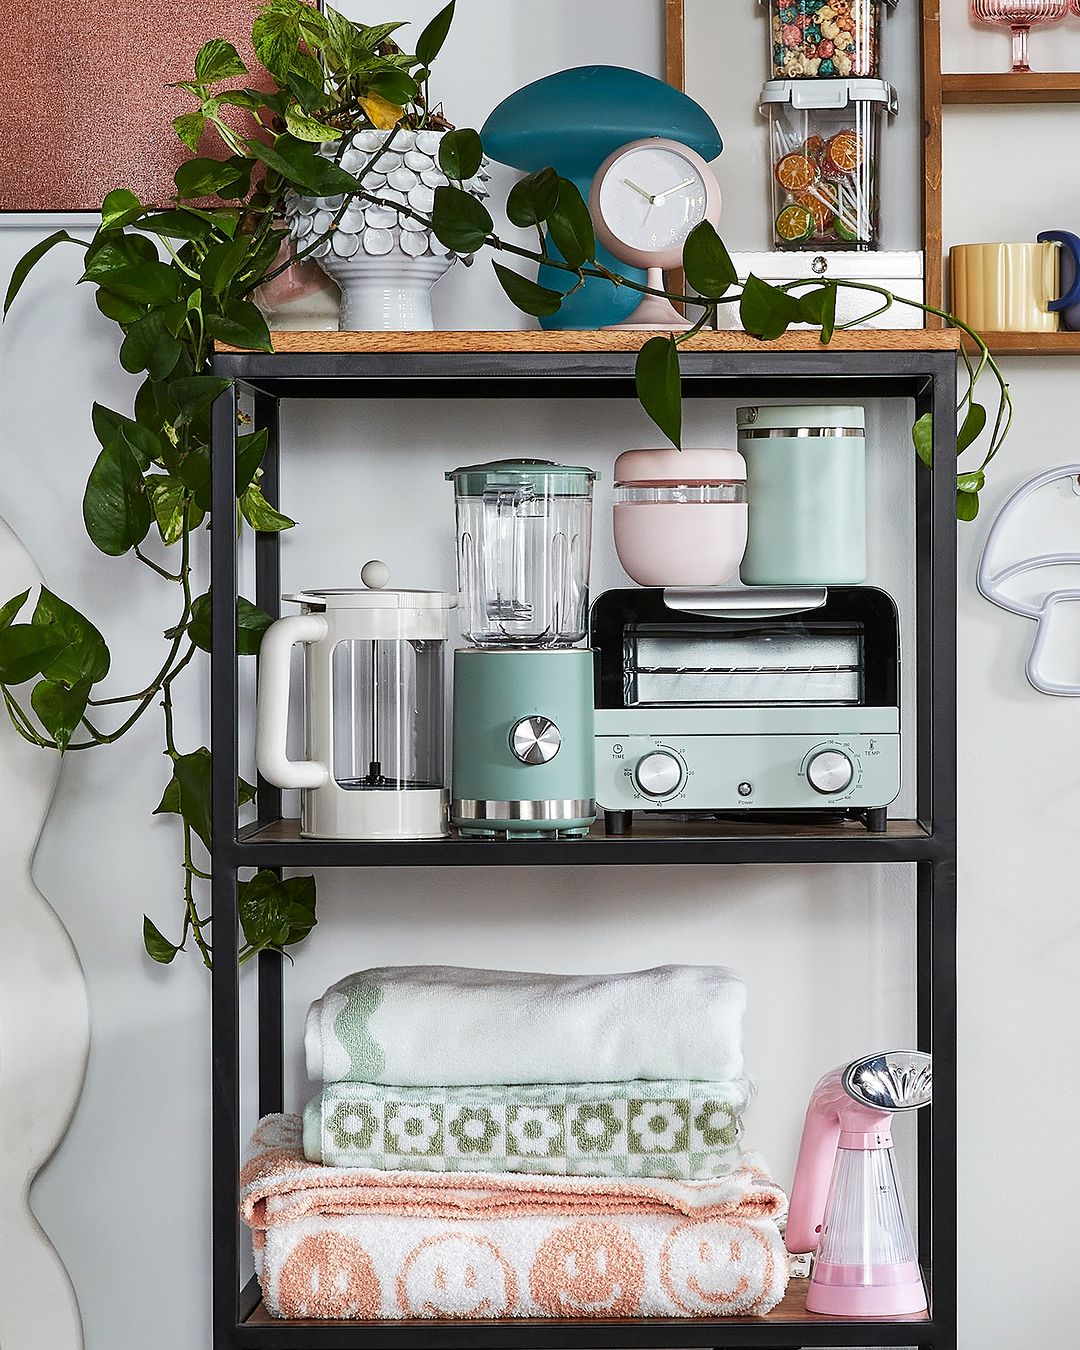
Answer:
(523, 765)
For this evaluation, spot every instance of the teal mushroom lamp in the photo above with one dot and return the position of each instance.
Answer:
(573, 120)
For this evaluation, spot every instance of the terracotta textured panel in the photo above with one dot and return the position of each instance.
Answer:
(88, 107)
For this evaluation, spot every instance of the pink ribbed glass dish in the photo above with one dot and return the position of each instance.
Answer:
(1021, 16)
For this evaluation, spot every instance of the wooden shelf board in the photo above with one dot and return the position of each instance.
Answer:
(791, 1309)
(604, 340)
(652, 841)
(1033, 344)
(1033, 86)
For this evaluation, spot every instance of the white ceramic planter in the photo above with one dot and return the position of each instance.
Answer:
(384, 261)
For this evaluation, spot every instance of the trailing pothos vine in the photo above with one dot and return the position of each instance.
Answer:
(175, 279)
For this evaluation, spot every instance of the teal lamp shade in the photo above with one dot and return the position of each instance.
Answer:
(573, 120)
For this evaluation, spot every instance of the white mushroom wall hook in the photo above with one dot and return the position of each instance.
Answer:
(992, 583)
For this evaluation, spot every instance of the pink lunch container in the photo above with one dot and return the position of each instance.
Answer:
(680, 516)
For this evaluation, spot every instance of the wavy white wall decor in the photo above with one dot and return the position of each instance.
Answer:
(44, 1033)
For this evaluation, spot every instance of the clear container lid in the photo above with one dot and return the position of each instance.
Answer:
(679, 466)
(828, 94)
(560, 480)
(829, 419)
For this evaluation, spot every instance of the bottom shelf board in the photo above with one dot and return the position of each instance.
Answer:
(789, 1324)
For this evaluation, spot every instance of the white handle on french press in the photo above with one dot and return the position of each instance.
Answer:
(272, 722)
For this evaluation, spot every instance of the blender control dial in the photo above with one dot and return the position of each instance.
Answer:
(658, 774)
(829, 772)
(535, 740)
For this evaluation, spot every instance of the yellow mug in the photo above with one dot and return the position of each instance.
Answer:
(1005, 288)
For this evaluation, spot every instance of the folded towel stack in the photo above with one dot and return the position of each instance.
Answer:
(591, 1124)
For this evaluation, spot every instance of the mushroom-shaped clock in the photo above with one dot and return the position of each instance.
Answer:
(573, 120)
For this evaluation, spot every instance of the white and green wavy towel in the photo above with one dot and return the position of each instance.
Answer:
(415, 1026)
(684, 1130)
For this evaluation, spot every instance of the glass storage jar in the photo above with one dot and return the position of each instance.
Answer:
(824, 141)
(680, 516)
(824, 39)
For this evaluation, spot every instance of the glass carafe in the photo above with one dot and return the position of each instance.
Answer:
(388, 714)
(524, 536)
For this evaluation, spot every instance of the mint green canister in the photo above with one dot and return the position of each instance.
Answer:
(806, 494)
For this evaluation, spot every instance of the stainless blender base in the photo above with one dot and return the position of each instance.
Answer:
(570, 818)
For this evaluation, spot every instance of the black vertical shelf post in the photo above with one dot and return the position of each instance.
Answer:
(225, 999)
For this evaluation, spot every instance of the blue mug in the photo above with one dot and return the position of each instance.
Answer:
(1068, 303)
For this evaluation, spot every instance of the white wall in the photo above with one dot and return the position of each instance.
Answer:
(827, 951)
(1004, 178)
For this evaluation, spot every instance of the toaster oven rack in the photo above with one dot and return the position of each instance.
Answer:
(918, 366)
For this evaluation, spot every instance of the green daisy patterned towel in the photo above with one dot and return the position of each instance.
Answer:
(685, 1130)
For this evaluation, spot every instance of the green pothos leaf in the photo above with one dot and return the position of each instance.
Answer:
(59, 707)
(971, 427)
(275, 912)
(922, 436)
(115, 508)
(260, 515)
(157, 946)
(251, 623)
(659, 385)
(528, 296)
(967, 505)
(85, 656)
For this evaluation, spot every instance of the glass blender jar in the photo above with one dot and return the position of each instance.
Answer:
(523, 689)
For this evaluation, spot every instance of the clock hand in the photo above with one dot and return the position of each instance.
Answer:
(658, 199)
(641, 191)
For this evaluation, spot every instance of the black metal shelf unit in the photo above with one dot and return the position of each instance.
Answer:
(927, 376)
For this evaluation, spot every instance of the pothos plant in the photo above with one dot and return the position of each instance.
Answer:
(179, 277)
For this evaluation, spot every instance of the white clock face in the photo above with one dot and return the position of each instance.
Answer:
(651, 198)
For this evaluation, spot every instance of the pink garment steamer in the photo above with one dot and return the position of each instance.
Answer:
(846, 1202)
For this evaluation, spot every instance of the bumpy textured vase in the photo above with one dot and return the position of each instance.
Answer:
(384, 261)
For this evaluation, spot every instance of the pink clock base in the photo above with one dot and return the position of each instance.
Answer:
(654, 312)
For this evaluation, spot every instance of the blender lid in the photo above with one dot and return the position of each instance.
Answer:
(563, 480)
(670, 466)
(374, 575)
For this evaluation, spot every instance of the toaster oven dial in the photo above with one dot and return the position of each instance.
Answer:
(658, 774)
(830, 772)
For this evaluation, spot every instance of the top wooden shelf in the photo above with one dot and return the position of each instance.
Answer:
(605, 340)
(1033, 86)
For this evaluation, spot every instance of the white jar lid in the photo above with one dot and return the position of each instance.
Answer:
(679, 466)
(824, 94)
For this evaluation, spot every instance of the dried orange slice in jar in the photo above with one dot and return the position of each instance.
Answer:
(795, 172)
(794, 224)
(821, 210)
(843, 153)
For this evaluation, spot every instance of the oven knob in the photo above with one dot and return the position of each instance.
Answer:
(830, 772)
(658, 774)
(535, 740)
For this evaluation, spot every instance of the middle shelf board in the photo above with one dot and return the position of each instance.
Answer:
(658, 842)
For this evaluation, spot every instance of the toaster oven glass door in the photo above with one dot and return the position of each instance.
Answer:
(734, 664)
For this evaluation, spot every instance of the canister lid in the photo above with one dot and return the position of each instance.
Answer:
(375, 575)
(810, 95)
(820, 419)
(679, 466)
(563, 480)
